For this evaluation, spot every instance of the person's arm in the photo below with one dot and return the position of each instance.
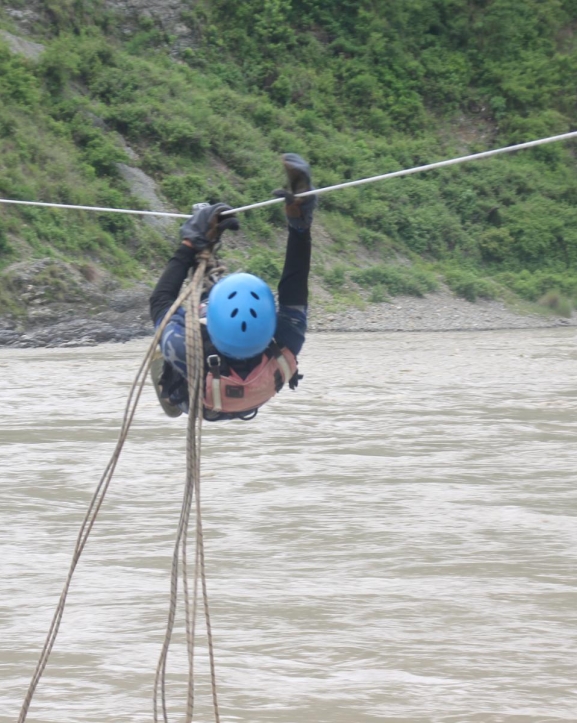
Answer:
(203, 229)
(170, 283)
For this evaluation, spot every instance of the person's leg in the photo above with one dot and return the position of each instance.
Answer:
(293, 289)
(173, 344)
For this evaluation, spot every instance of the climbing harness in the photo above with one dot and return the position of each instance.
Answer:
(229, 392)
(226, 391)
(190, 296)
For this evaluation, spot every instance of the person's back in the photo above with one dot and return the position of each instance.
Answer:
(249, 346)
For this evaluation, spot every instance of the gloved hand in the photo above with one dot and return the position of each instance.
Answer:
(205, 227)
(299, 211)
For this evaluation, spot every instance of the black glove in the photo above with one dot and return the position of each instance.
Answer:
(299, 211)
(205, 227)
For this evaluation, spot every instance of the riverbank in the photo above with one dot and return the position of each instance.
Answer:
(439, 311)
(127, 318)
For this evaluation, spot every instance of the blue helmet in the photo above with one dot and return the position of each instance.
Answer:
(241, 316)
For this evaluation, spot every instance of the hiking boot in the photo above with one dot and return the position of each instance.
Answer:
(156, 367)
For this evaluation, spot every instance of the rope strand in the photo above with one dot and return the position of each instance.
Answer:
(193, 482)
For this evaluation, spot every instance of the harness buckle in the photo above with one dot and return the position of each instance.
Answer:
(213, 361)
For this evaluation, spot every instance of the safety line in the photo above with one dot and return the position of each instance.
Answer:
(317, 191)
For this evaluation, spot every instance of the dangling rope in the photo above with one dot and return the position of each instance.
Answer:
(318, 191)
(195, 379)
(194, 357)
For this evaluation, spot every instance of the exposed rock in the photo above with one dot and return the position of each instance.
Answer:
(23, 47)
(166, 15)
(144, 187)
(25, 18)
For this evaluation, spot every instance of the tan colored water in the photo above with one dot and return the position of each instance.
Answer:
(396, 541)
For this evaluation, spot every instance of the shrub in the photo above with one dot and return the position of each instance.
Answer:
(469, 286)
(185, 190)
(371, 239)
(378, 295)
(532, 286)
(335, 277)
(266, 265)
(5, 247)
(558, 303)
(397, 279)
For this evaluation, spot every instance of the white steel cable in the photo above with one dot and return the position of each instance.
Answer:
(317, 191)
(417, 169)
(134, 212)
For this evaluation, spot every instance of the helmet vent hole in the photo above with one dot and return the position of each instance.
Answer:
(243, 326)
(253, 313)
(234, 313)
(256, 296)
(231, 296)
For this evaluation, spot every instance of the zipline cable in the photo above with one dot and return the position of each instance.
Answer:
(416, 169)
(316, 191)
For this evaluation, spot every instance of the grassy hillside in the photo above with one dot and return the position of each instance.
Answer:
(359, 88)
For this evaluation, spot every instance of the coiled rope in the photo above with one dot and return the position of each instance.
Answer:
(194, 358)
(317, 191)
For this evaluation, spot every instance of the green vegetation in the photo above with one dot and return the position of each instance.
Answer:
(397, 279)
(560, 304)
(358, 88)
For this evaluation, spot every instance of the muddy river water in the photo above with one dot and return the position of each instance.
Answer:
(394, 541)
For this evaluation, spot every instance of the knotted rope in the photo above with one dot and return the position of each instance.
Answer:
(194, 358)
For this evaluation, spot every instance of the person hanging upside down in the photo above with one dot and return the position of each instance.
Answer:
(249, 346)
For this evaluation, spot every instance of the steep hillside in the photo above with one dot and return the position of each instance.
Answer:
(140, 103)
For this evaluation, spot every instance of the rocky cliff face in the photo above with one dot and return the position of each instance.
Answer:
(166, 14)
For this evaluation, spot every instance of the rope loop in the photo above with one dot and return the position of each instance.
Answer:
(190, 297)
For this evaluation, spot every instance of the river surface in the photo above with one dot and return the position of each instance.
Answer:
(395, 541)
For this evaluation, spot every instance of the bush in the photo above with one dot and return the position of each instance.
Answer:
(335, 277)
(266, 265)
(469, 286)
(558, 303)
(185, 190)
(397, 279)
(5, 247)
(310, 78)
(378, 295)
(533, 286)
